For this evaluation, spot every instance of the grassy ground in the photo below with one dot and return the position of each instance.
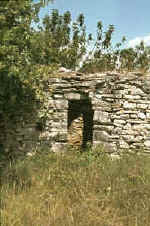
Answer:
(76, 189)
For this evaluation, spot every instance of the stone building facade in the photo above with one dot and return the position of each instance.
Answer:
(108, 109)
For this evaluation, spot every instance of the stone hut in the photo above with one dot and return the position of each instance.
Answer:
(109, 109)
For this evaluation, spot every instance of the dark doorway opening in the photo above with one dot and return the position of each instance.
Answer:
(80, 123)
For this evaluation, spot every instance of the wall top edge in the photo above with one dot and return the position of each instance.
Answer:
(81, 76)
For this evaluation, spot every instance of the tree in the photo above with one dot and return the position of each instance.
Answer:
(59, 42)
(16, 34)
(101, 58)
(17, 95)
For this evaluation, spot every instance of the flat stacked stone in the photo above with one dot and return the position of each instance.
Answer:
(121, 105)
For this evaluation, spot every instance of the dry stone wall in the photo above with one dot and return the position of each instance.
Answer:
(108, 109)
(120, 105)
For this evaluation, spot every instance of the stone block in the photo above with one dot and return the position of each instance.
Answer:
(133, 116)
(127, 126)
(129, 132)
(100, 103)
(124, 116)
(128, 105)
(132, 97)
(146, 126)
(148, 115)
(98, 96)
(72, 96)
(102, 117)
(147, 143)
(135, 121)
(107, 128)
(142, 106)
(138, 139)
(123, 92)
(128, 138)
(117, 96)
(138, 127)
(117, 130)
(108, 96)
(123, 144)
(118, 122)
(58, 96)
(101, 136)
(141, 115)
(146, 86)
(58, 104)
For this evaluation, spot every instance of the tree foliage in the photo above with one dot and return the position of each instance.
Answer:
(60, 41)
(107, 57)
(17, 92)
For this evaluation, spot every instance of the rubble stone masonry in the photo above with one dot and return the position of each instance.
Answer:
(108, 109)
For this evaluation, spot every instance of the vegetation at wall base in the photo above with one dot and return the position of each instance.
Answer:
(31, 50)
(74, 188)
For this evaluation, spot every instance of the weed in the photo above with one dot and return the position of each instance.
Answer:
(76, 189)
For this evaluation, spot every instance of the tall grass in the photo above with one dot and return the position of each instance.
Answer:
(76, 189)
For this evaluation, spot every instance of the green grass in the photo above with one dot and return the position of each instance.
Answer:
(76, 189)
